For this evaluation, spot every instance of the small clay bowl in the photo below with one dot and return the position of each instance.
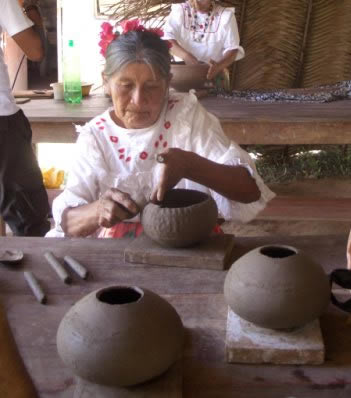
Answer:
(86, 87)
(184, 218)
(186, 77)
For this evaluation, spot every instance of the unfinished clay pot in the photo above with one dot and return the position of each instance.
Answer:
(277, 287)
(186, 77)
(120, 336)
(184, 218)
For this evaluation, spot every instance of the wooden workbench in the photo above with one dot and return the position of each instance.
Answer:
(244, 122)
(197, 296)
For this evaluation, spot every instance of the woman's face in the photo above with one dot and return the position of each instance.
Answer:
(202, 5)
(138, 94)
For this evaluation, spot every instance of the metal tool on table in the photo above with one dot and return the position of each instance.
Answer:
(77, 267)
(35, 286)
(57, 267)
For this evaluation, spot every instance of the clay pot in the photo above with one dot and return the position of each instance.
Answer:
(120, 336)
(277, 287)
(184, 218)
(186, 77)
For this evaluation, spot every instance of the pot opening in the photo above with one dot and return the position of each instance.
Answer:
(176, 198)
(119, 295)
(277, 251)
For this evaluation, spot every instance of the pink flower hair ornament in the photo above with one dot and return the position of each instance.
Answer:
(107, 35)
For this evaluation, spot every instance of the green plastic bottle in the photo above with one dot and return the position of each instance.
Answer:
(72, 86)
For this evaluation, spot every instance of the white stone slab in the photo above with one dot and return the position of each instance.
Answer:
(248, 343)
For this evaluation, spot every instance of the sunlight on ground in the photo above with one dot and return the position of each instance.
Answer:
(55, 155)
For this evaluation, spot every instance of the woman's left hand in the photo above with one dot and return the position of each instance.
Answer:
(173, 169)
(213, 70)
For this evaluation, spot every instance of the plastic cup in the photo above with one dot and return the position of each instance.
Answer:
(58, 90)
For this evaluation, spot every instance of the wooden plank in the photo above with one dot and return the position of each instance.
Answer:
(213, 253)
(56, 132)
(242, 121)
(287, 133)
(34, 94)
(2, 227)
(197, 295)
(15, 379)
(167, 385)
(248, 343)
(307, 208)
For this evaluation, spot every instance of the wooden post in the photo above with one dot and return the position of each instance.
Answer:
(2, 227)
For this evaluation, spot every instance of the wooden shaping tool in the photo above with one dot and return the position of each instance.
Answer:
(15, 381)
(34, 94)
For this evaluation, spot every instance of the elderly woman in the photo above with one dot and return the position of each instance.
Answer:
(202, 31)
(148, 142)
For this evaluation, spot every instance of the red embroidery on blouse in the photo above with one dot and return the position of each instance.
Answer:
(161, 137)
(121, 150)
(143, 155)
(113, 139)
(156, 144)
(102, 119)
(101, 127)
(165, 144)
(128, 159)
(121, 156)
(167, 125)
(98, 123)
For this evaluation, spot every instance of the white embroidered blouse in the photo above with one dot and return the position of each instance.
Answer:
(220, 36)
(109, 156)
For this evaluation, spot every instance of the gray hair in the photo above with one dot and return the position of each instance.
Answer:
(138, 47)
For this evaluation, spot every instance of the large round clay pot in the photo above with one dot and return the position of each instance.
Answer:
(120, 336)
(186, 77)
(277, 287)
(184, 218)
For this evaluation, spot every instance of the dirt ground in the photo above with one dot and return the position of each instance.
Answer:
(326, 188)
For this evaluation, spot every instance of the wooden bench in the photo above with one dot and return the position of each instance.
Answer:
(247, 123)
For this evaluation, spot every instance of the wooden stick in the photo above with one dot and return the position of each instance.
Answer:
(57, 267)
(76, 266)
(15, 380)
(35, 286)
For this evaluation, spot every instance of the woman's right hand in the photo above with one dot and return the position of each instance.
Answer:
(115, 206)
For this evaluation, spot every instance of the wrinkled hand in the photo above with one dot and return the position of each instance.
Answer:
(115, 206)
(213, 70)
(173, 168)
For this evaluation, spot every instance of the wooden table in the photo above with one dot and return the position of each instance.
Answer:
(244, 122)
(197, 296)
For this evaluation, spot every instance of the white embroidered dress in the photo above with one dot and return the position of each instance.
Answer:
(220, 36)
(109, 156)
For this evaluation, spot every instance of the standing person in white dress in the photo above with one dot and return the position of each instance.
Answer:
(23, 199)
(117, 166)
(203, 31)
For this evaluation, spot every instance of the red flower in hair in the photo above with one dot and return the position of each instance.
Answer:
(132, 24)
(106, 36)
(157, 31)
